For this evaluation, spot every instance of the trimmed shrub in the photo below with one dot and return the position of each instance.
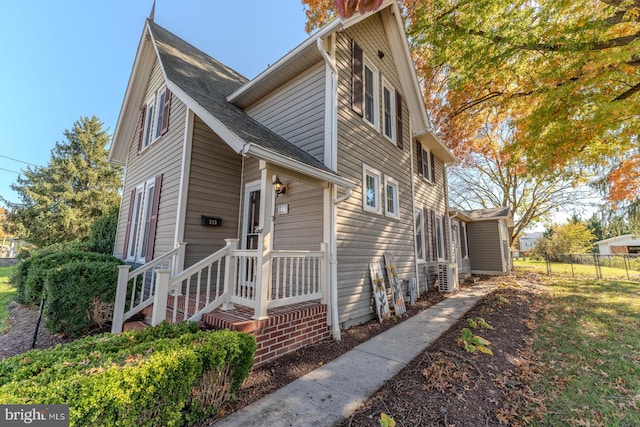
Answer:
(34, 270)
(74, 288)
(102, 234)
(154, 377)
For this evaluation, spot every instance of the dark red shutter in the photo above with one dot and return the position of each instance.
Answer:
(419, 156)
(165, 111)
(143, 113)
(127, 237)
(153, 222)
(433, 168)
(399, 120)
(357, 65)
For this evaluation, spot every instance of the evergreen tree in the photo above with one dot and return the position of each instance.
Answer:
(59, 201)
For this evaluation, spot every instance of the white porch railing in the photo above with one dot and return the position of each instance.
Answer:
(229, 276)
(296, 276)
(136, 289)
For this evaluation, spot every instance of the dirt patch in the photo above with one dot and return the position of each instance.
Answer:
(447, 386)
(22, 325)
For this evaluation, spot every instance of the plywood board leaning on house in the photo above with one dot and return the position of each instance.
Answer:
(394, 282)
(379, 291)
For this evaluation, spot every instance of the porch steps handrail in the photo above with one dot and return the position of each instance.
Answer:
(140, 277)
(210, 276)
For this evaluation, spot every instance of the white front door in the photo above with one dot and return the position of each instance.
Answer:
(251, 224)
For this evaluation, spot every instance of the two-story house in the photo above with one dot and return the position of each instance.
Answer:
(261, 202)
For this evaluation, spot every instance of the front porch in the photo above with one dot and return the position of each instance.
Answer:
(277, 296)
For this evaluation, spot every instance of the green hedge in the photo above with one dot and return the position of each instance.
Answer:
(29, 275)
(151, 378)
(78, 292)
(102, 234)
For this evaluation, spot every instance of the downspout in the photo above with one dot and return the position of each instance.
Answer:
(332, 136)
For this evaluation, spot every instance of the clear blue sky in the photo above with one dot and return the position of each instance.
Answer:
(63, 59)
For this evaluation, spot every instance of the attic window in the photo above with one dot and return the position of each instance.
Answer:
(155, 117)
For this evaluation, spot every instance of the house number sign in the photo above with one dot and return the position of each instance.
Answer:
(211, 221)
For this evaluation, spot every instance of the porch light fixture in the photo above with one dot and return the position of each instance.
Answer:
(278, 186)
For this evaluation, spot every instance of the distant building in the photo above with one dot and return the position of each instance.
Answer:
(625, 244)
(528, 240)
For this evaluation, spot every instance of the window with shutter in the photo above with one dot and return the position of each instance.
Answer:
(143, 114)
(419, 227)
(419, 151)
(165, 112)
(388, 111)
(142, 221)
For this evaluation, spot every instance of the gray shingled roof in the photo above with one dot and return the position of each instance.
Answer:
(208, 82)
(486, 214)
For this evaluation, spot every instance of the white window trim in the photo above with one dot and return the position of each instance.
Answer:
(440, 246)
(137, 234)
(153, 132)
(376, 102)
(157, 123)
(426, 156)
(392, 112)
(149, 120)
(463, 226)
(420, 233)
(390, 182)
(369, 171)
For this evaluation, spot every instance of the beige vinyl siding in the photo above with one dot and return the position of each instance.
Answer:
(214, 188)
(164, 156)
(296, 110)
(430, 196)
(363, 236)
(301, 228)
(484, 246)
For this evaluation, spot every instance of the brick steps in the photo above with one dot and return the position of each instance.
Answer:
(285, 330)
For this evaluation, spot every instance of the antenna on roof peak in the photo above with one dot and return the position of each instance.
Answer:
(153, 11)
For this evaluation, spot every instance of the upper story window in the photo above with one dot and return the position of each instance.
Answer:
(388, 110)
(426, 163)
(365, 97)
(370, 94)
(155, 118)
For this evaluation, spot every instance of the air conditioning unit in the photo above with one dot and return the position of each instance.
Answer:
(448, 277)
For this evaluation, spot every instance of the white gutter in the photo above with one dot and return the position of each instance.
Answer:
(331, 151)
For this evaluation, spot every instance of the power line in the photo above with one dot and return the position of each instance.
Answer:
(16, 160)
(8, 170)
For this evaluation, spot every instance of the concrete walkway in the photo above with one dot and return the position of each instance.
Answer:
(334, 391)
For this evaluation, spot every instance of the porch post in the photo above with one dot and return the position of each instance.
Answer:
(160, 298)
(264, 243)
(121, 298)
(230, 274)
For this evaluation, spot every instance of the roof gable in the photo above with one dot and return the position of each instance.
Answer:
(203, 83)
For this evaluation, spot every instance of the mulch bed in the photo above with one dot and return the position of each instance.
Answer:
(444, 386)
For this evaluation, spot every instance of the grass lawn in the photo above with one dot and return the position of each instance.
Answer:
(589, 347)
(6, 295)
(578, 270)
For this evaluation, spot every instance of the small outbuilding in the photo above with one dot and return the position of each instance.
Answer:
(487, 247)
(625, 244)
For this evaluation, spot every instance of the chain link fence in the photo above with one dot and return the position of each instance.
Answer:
(619, 266)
